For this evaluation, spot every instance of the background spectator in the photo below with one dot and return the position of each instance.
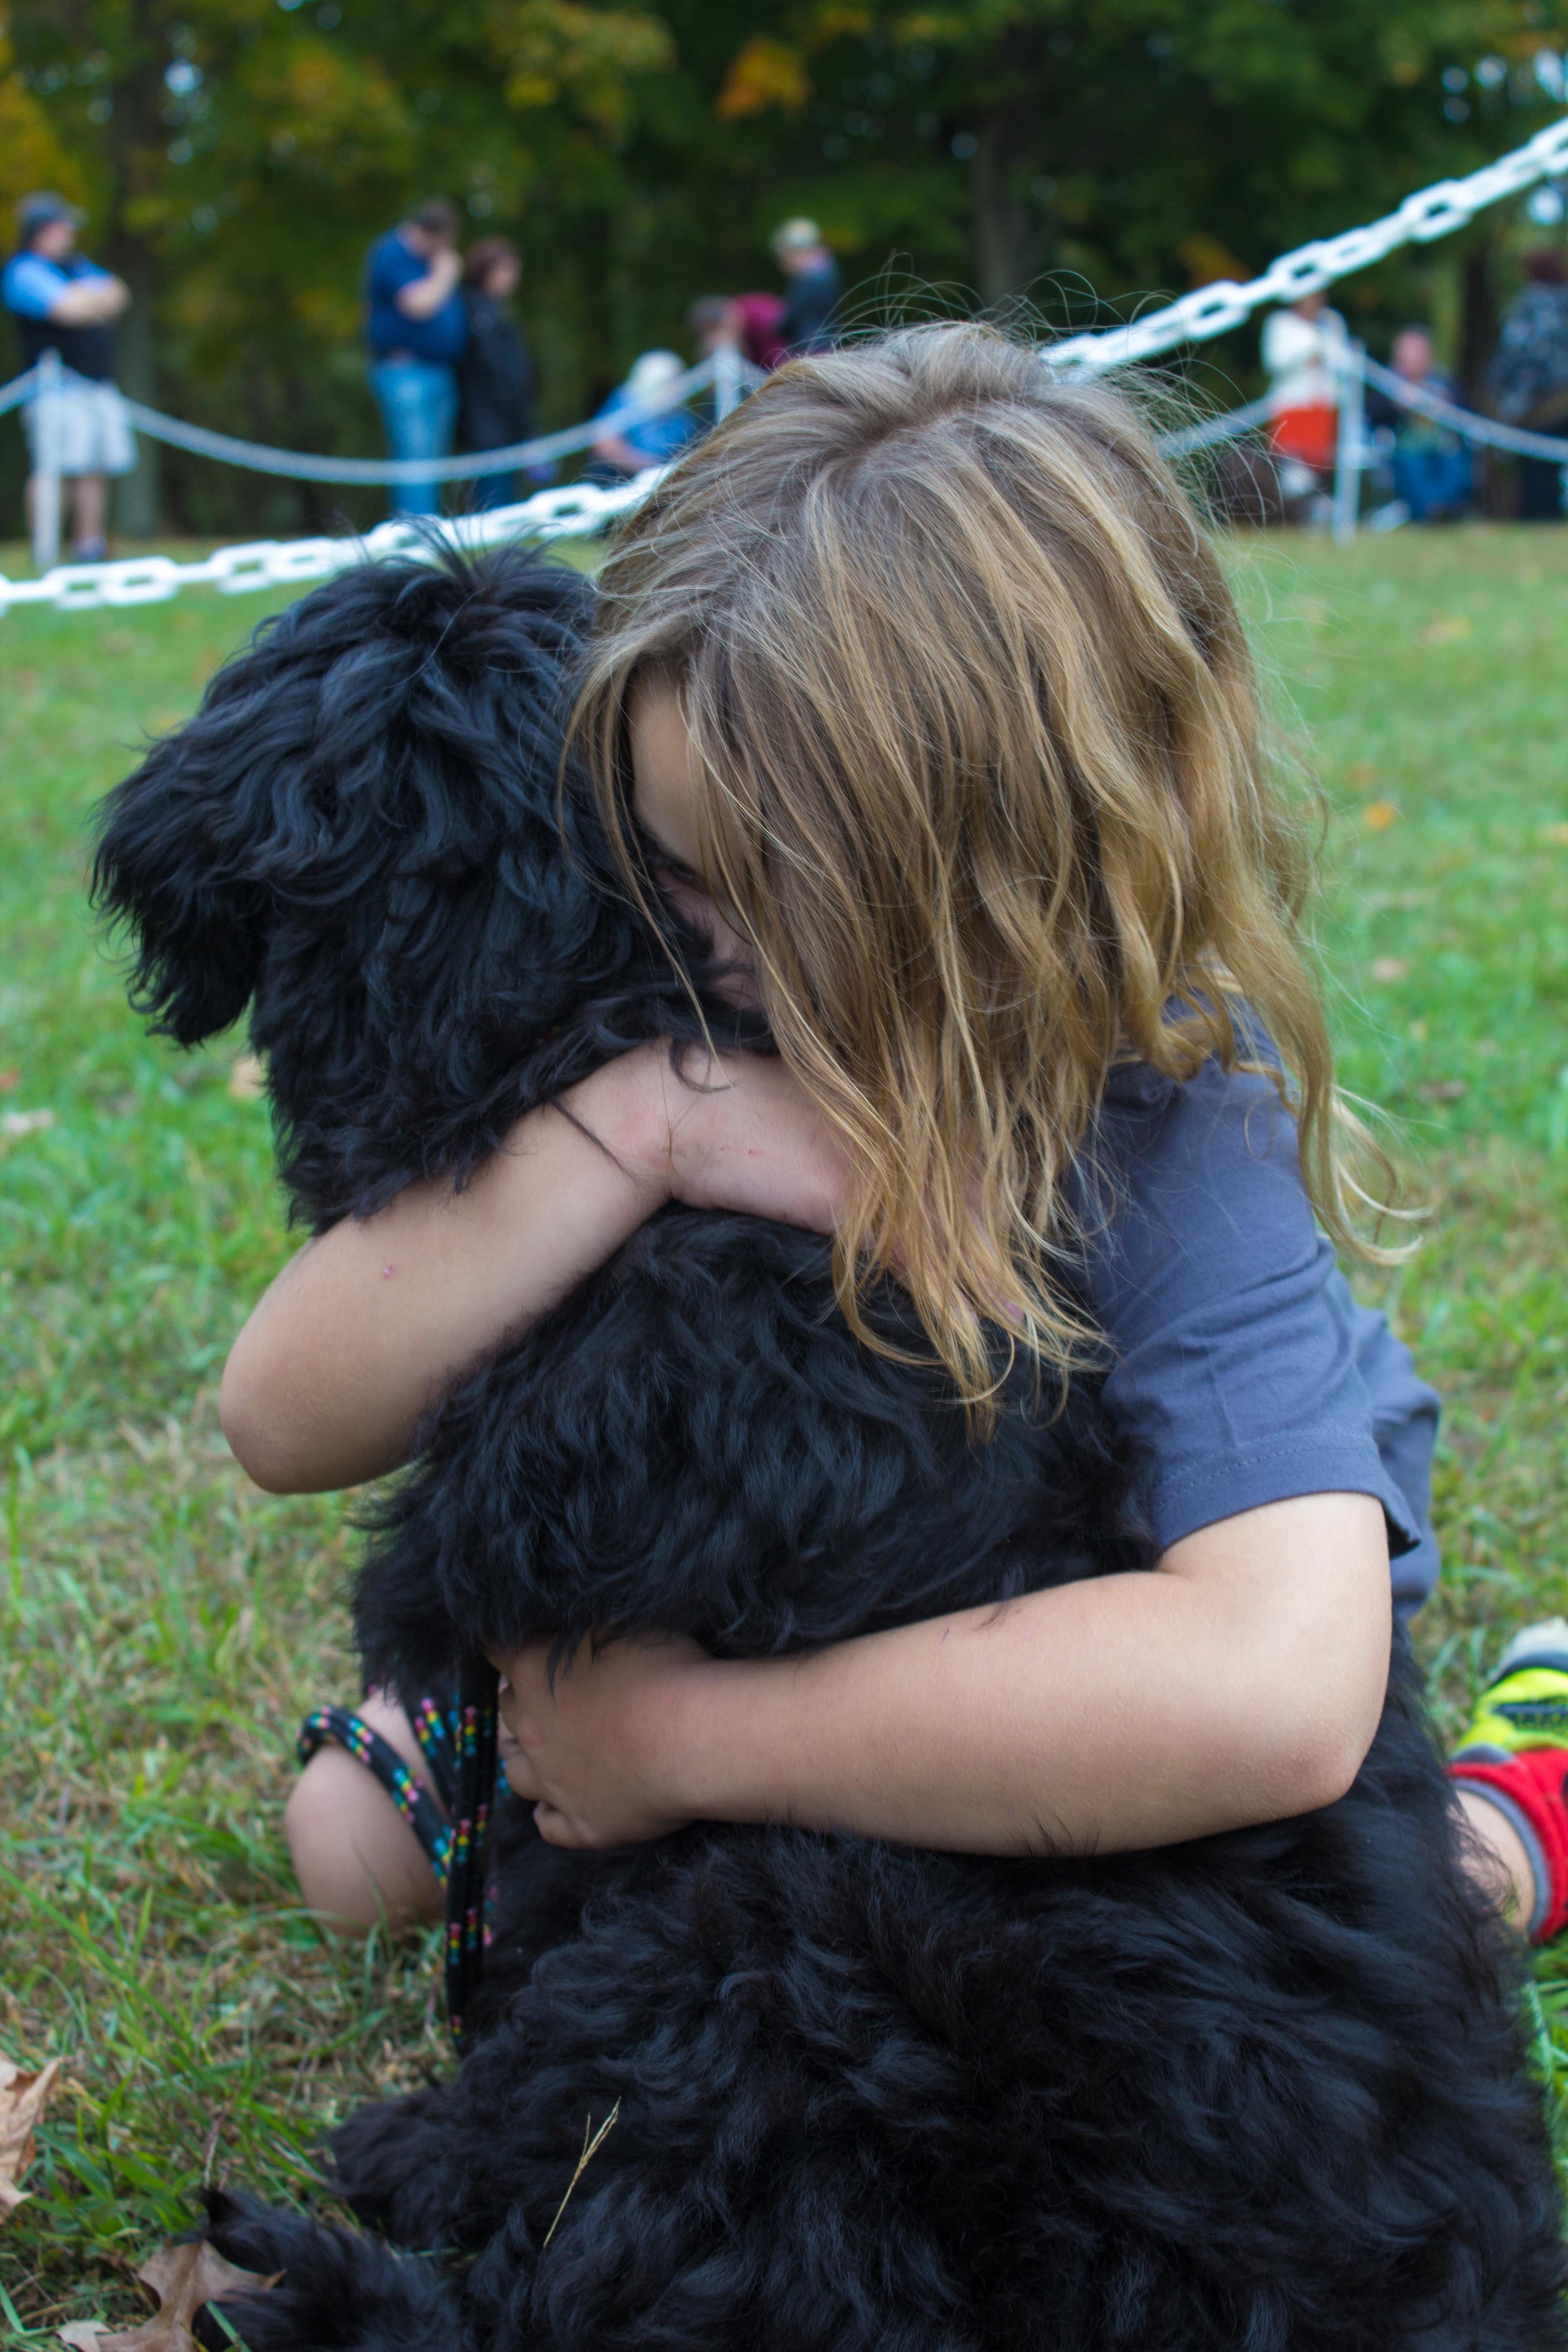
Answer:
(417, 329)
(762, 316)
(747, 323)
(1431, 466)
(1528, 375)
(495, 375)
(806, 322)
(63, 302)
(716, 324)
(650, 440)
(1299, 349)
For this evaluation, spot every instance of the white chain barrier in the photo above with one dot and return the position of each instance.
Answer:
(1463, 422)
(1216, 310)
(398, 472)
(584, 508)
(1212, 430)
(573, 512)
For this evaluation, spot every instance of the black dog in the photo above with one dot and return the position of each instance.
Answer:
(1265, 2093)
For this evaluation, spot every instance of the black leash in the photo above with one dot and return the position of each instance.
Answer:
(478, 1687)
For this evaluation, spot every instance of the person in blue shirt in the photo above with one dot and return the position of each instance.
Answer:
(1431, 465)
(417, 329)
(64, 303)
(630, 446)
(815, 286)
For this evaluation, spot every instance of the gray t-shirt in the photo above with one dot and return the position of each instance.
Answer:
(1237, 1355)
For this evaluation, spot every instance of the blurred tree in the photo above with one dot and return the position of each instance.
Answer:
(238, 156)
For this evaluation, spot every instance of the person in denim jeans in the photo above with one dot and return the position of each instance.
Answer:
(417, 329)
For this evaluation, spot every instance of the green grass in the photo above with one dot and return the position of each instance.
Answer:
(163, 1625)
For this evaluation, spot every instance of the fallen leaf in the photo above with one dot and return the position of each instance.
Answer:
(1555, 836)
(83, 2334)
(9, 1081)
(1444, 1090)
(1379, 814)
(247, 1078)
(1447, 631)
(1389, 968)
(23, 2098)
(183, 2278)
(25, 1122)
(1363, 775)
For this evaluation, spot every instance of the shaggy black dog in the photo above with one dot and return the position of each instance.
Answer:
(1265, 2093)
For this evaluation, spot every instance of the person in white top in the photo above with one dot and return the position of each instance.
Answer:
(1301, 347)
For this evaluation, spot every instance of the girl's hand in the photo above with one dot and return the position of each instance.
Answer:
(734, 1131)
(587, 1753)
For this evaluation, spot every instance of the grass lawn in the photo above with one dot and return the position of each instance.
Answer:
(163, 1625)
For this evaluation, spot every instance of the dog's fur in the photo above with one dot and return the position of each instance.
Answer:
(1265, 2093)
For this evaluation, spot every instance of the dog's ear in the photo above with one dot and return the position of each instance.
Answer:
(315, 781)
(176, 854)
(360, 831)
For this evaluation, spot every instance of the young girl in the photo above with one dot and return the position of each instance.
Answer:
(918, 684)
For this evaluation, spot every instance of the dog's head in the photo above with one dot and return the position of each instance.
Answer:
(363, 834)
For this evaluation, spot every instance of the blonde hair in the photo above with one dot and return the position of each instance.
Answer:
(979, 776)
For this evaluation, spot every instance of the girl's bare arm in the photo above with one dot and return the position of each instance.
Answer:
(1240, 1682)
(366, 1325)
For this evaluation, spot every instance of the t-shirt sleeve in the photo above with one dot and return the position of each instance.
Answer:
(32, 285)
(391, 267)
(1237, 1354)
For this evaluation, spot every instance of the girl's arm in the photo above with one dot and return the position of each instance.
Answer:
(1241, 1681)
(365, 1326)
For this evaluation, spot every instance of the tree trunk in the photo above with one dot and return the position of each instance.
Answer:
(136, 506)
(1012, 235)
(1478, 320)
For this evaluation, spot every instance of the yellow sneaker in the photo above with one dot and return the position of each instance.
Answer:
(1525, 1704)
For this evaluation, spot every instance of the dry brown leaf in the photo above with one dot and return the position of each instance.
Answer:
(83, 2334)
(183, 2278)
(247, 1078)
(23, 2098)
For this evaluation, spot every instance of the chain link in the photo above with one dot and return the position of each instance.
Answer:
(1215, 309)
(574, 512)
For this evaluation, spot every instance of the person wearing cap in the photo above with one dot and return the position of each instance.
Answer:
(629, 445)
(417, 329)
(64, 303)
(807, 324)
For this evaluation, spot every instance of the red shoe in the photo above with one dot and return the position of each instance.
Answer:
(1528, 1790)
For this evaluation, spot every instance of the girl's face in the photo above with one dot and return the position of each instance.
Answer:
(664, 802)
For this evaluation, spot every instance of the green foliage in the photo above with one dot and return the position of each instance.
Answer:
(240, 155)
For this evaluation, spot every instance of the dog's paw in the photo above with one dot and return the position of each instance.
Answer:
(339, 2292)
(394, 2164)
